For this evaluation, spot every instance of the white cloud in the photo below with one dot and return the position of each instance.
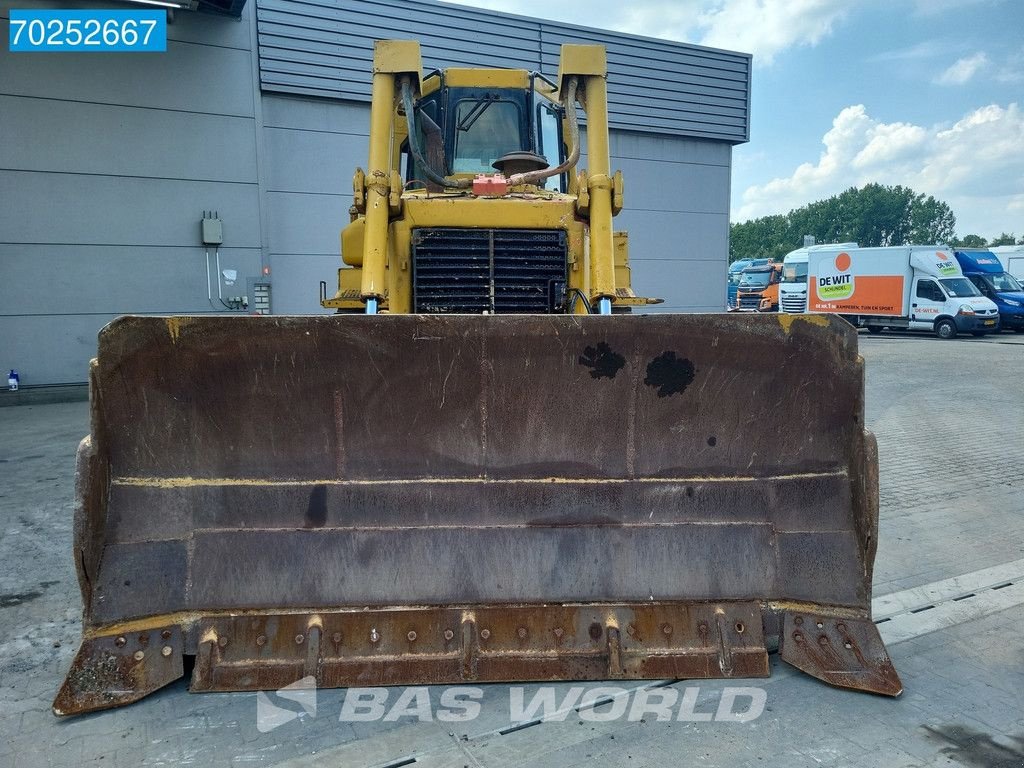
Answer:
(975, 165)
(767, 27)
(963, 70)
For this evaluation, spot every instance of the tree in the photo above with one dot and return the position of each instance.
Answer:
(1005, 238)
(969, 241)
(873, 215)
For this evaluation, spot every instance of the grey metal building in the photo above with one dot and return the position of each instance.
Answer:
(108, 161)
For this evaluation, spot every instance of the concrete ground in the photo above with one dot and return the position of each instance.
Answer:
(949, 417)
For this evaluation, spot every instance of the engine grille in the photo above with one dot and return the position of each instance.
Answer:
(750, 301)
(507, 271)
(793, 302)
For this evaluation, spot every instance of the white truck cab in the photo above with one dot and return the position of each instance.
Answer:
(944, 301)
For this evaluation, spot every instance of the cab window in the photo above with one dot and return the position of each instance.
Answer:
(929, 290)
(485, 129)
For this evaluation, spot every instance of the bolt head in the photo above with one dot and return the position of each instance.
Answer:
(299, 639)
(166, 634)
(119, 642)
(485, 633)
(521, 632)
(374, 635)
(559, 631)
(261, 640)
(411, 636)
(448, 634)
(139, 655)
(336, 637)
(222, 640)
(166, 650)
(666, 629)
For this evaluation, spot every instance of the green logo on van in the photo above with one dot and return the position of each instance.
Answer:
(836, 284)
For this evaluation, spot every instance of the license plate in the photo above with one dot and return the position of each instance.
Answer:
(990, 322)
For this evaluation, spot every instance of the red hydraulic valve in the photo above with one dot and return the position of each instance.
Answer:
(487, 185)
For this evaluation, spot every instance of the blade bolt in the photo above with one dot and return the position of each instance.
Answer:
(739, 627)
(299, 639)
(336, 637)
(261, 640)
(820, 625)
(847, 646)
(559, 632)
(798, 620)
(521, 632)
(823, 640)
(120, 641)
(448, 634)
(166, 634)
(841, 627)
(166, 650)
(139, 655)
(666, 629)
(485, 634)
(411, 636)
(222, 640)
(798, 637)
(374, 635)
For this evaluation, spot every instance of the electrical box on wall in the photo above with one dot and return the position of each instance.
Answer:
(212, 229)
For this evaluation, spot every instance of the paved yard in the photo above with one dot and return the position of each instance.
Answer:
(950, 423)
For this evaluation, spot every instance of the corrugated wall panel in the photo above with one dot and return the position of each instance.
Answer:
(324, 48)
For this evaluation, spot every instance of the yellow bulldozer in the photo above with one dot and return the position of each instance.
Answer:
(483, 467)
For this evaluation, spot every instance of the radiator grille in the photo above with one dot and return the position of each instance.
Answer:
(793, 302)
(750, 301)
(507, 271)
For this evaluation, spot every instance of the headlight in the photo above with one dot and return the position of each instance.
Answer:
(966, 309)
(1012, 303)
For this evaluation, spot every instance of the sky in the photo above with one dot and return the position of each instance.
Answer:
(924, 93)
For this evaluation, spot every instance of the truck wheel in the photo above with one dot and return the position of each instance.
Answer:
(945, 329)
(875, 329)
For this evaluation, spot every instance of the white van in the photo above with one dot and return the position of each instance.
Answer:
(793, 288)
(917, 287)
(1012, 259)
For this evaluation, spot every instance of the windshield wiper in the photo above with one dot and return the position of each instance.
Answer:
(474, 114)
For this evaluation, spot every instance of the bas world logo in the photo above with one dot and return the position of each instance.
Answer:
(836, 282)
(270, 716)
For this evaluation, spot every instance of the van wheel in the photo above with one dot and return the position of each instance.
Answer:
(875, 329)
(945, 329)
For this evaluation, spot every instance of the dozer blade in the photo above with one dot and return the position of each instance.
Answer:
(384, 500)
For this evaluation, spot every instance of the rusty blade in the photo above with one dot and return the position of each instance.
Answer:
(307, 465)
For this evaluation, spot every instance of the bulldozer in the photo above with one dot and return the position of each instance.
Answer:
(484, 466)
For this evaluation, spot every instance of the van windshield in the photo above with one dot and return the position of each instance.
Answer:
(1004, 283)
(959, 287)
(795, 273)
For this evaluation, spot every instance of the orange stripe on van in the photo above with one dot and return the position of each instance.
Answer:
(872, 295)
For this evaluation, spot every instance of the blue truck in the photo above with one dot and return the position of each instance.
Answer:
(984, 269)
(735, 268)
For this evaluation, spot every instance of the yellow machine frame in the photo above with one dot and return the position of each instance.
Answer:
(376, 245)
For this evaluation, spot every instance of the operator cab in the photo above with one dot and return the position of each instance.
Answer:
(467, 130)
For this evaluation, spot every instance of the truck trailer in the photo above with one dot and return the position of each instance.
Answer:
(914, 287)
(793, 288)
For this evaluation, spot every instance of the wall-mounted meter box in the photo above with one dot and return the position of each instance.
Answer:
(212, 231)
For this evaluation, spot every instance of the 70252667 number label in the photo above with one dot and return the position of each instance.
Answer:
(78, 31)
